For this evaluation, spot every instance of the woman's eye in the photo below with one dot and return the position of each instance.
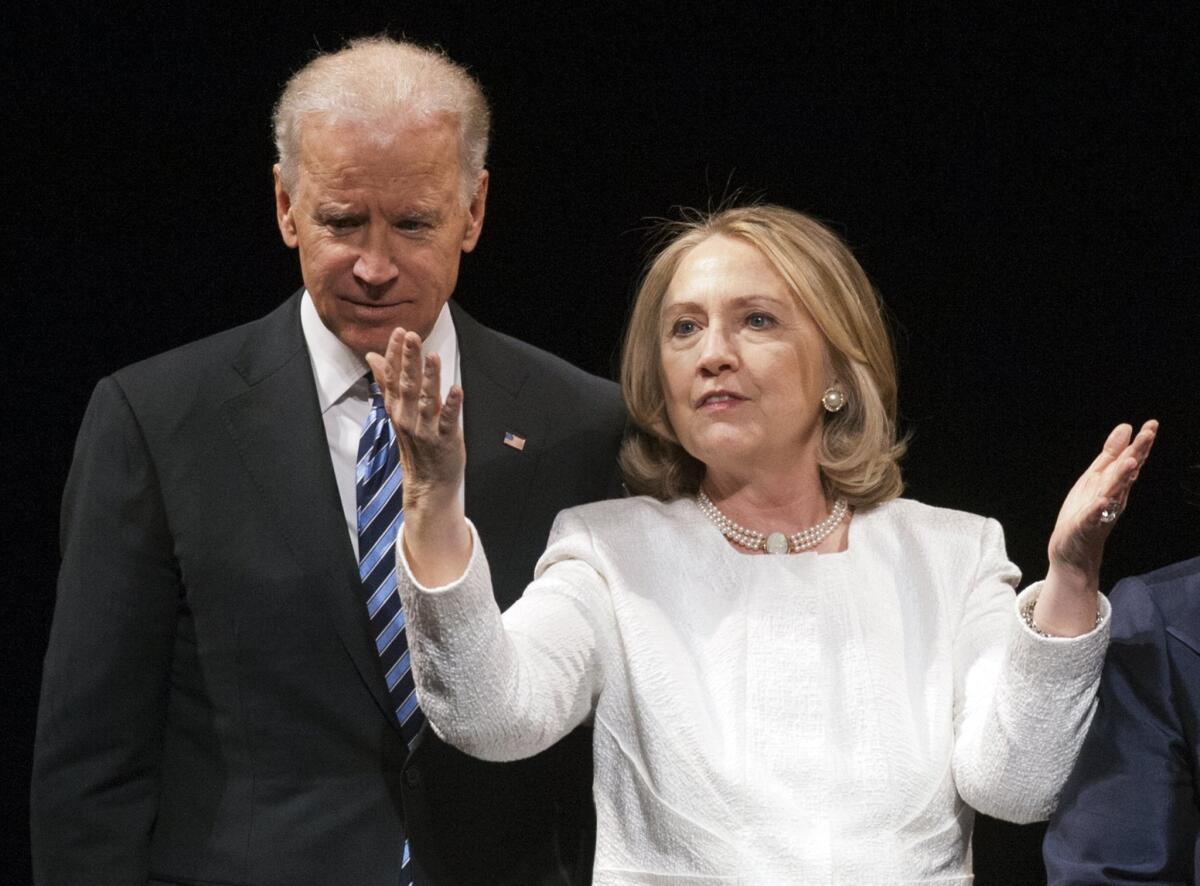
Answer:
(683, 327)
(760, 321)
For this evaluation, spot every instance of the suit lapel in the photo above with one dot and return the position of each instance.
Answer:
(499, 476)
(277, 427)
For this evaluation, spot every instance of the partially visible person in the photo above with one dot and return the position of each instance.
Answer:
(795, 676)
(225, 696)
(1130, 812)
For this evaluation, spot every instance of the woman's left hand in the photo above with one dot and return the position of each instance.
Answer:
(1067, 604)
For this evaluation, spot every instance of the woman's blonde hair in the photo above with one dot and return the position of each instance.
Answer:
(859, 452)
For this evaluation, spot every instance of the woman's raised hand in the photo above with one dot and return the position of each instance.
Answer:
(432, 456)
(1089, 512)
(1067, 606)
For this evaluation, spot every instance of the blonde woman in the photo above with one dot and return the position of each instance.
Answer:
(795, 676)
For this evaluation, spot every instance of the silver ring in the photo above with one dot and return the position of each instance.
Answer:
(1110, 512)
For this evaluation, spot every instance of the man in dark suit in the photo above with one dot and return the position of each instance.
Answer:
(1130, 812)
(214, 706)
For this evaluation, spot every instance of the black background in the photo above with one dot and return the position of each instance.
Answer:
(1019, 181)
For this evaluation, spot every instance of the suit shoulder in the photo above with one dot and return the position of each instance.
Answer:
(191, 378)
(1181, 577)
(552, 369)
(544, 367)
(1170, 595)
(198, 357)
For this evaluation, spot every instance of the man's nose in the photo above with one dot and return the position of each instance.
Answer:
(375, 265)
(718, 351)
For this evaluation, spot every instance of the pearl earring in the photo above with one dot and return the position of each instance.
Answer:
(834, 399)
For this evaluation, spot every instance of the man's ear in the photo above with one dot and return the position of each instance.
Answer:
(475, 213)
(283, 211)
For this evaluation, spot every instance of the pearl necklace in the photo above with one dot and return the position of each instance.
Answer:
(775, 542)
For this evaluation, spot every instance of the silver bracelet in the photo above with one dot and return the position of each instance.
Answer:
(1027, 617)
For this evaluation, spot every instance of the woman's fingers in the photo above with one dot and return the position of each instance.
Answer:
(386, 366)
(1134, 455)
(1119, 473)
(448, 420)
(1099, 496)
(1125, 473)
(431, 386)
(1143, 442)
(401, 381)
(411, 383)
(1116, 442)
(379, 369)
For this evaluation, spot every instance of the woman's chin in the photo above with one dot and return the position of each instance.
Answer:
(731, 456)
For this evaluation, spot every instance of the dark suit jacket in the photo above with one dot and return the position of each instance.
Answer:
(1130, 813)
(213, 710)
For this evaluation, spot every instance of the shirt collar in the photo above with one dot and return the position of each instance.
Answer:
(338, 371)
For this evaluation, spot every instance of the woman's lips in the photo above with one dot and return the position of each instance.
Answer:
(719, 400)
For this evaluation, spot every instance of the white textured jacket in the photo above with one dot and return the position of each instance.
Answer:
(813, 718)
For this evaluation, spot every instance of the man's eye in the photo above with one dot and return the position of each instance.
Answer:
(412, 224)
(341, 223)
(759, 320)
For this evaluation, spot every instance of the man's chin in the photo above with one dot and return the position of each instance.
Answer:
(370, 344)
(364, 329)
(365, 341)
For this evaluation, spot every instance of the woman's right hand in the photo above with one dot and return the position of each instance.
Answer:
(432, 457)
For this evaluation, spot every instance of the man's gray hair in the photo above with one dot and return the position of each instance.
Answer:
(386, 84)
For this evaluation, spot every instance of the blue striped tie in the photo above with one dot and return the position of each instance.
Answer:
(377, 477)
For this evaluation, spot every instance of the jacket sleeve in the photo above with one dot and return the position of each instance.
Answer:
(1129, 811)
(507, 687)
(1022, 702)
(104, 684)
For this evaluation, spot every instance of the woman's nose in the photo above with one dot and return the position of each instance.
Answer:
(718, 352)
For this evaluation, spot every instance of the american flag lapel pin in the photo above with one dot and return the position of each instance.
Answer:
(516, 442)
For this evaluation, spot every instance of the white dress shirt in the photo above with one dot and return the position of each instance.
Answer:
(813, 718)
(345, 398)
